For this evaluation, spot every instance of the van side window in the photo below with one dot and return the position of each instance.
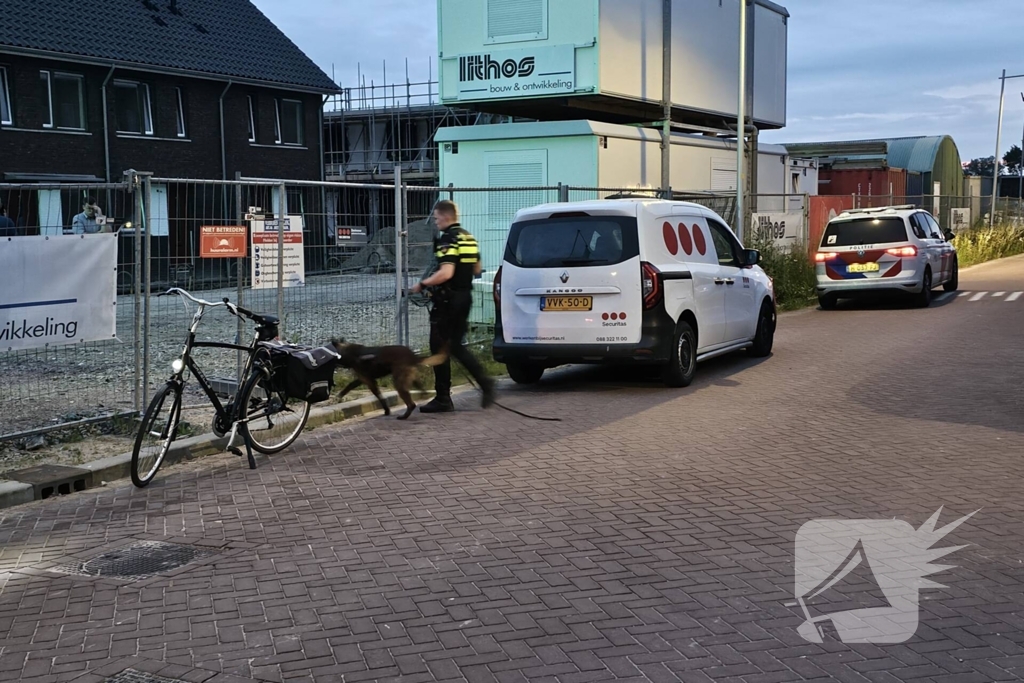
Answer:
(724, 244)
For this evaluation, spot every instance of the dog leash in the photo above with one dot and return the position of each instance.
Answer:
(511, 410)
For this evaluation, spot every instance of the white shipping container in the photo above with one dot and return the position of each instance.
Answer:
(545, 59)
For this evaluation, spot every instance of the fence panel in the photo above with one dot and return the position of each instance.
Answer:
(75, 382)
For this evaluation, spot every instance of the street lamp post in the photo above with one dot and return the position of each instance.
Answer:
(999, 141)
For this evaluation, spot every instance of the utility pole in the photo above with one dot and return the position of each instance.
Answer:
(741, 122)
(999, 134)
(666, 94)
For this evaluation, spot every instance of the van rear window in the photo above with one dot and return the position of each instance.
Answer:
(572, 241)
(864, 231)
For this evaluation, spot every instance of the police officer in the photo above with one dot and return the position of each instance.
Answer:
(452, 298)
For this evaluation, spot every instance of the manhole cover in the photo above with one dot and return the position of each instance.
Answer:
(133, 676)
(142, 558)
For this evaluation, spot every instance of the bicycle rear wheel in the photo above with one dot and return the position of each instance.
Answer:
(272, 419)
(156, 433)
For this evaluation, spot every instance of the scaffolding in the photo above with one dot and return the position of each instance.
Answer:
(371, 128)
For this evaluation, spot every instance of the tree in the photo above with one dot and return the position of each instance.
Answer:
(1012, 161)
(980, 167)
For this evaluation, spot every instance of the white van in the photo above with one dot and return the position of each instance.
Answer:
(643, 281)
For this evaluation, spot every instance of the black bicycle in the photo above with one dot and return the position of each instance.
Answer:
(266, 417)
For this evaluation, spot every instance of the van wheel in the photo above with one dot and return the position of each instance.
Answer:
(764, 338)
(524, 374)
(828, 301)
(682, 365)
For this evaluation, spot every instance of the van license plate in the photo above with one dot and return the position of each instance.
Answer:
(566, 303)
(862, 268)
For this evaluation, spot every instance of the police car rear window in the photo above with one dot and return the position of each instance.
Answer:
(864, 231)
(572, 241)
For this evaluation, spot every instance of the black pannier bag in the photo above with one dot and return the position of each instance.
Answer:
(304, 372)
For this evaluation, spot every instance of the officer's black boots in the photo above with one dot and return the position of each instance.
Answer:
(438, 405)
(488, 388)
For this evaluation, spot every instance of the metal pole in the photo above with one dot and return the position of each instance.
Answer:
(1020, 170)
(406, 262)
(741, 122)
(147, 267)
(136, 190)
(241, 275)
(399, 280)
(999, 144)
(666, 95)
(280, 255)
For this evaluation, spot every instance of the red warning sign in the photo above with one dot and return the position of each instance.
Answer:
(223, 241)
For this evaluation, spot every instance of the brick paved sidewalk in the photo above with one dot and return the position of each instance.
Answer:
(649, 536)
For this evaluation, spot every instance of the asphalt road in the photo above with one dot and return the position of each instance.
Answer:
(651, 535)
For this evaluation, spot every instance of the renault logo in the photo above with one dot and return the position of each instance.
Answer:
(565, 277)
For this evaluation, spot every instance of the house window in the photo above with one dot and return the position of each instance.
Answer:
(132, 107)
(65, 100)
(289, 122)
(181, 113)
(252, 120)
(6, 118)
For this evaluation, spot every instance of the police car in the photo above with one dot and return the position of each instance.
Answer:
(632, 280)
(891, 249)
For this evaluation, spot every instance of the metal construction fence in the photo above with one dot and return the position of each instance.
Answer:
(348, 252)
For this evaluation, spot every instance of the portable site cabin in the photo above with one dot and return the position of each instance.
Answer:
(583, 154)
(602, 59)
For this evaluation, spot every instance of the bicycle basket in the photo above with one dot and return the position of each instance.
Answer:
(303, 372)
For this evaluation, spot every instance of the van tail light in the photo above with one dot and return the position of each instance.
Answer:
(903, 252)
(497, 288)
(823, 256)
(651, 285)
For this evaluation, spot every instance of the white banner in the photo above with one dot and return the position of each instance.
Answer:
(506, 74)
(265, 253)
(781, 229)
(59, 289)
(961, 220)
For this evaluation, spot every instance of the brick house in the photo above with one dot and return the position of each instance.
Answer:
(179, 88)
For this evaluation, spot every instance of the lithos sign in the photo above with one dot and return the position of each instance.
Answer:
(504, 74)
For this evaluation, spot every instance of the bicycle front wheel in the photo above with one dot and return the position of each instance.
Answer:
(272, 419)
(156, 433)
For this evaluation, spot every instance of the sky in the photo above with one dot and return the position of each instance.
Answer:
(857, 68)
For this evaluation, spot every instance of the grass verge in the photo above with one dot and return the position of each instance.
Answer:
(793, 275)
(984, 244)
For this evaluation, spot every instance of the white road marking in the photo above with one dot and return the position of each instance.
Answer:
(961, 293)
(943, 297)
(996, 294)
(1012, 297)
(977, 297)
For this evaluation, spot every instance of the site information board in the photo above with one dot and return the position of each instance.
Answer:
(265, 253)
(222, 241)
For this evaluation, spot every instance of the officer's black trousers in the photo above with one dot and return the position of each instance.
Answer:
(448, 323)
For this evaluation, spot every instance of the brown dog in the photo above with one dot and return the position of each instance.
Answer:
(372, 363)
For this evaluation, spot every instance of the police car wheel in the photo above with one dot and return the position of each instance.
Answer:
(682, 365)
(953, 283)
(924, 299)
(524, 373)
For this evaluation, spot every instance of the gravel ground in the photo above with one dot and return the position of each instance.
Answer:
(55, 386)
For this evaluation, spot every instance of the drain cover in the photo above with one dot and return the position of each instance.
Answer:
(140, 559)
(133, 676)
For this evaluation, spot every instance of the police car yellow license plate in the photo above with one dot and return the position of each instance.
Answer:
(862, 268)
(566, 303)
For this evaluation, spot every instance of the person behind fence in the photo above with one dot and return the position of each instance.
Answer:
(86, 222)
(7, 226)
(451, 300)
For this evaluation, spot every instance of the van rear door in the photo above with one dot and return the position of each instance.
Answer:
(572, 278)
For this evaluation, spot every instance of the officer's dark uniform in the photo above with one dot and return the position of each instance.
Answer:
(449, 316)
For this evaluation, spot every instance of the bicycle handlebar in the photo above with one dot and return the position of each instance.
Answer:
(183, 293)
